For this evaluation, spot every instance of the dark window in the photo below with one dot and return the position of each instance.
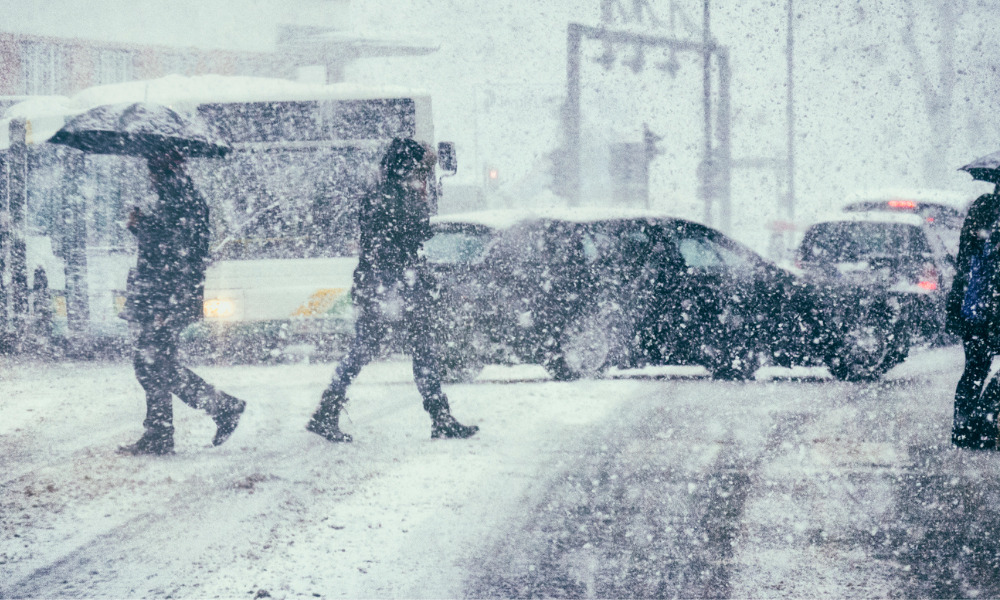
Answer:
(287, 204)
(248, 122)
(43, 68)
(853, 242)
(456, 247)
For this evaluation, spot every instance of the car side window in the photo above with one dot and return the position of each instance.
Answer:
(455, 247)
(737, 259)
(596, 245)
(698, 253)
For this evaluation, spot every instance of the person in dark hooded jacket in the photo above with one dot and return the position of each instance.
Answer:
(392, 290)
(975, 416)
(166, 293)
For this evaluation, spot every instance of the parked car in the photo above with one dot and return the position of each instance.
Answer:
(584, 290)
(883, 280)
(942, 211)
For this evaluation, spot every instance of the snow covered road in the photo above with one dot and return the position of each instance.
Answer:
(654, 483)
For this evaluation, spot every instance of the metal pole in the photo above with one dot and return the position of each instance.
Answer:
(724, 168)
(5, 239)
(17, 204)
(574, 34)
(707, 172)
(790, 115)
(75, 232)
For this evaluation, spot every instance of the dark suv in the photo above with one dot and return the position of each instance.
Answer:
(582, 291)
(884, 279)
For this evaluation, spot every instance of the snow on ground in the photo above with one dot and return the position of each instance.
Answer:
(275, 508)
(278, 510)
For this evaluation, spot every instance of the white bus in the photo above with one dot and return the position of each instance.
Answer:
(283, 207)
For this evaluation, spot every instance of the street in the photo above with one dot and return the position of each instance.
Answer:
(651, 483)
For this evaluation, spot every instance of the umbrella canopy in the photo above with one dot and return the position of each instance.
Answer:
(140, 129)
(985, 168)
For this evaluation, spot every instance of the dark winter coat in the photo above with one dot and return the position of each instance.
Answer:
(168, 283)
(982, 218)
(394, 223)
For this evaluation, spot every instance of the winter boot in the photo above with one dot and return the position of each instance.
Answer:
(446, 426)
(228, 418)
(156, 441)
(975, 435)
(325, 422)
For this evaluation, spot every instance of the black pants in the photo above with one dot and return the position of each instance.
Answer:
(371, 328)
(160, 375)
(975, 411)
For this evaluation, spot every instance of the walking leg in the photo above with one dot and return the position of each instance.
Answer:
(427, 376)
(151, 361)
(368, 333)
(224, 409)
(974, 424)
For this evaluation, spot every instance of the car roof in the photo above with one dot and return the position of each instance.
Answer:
(873, 216)
(955, 200)
(506, 218)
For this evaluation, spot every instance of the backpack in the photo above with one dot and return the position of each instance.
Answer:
(980, 304)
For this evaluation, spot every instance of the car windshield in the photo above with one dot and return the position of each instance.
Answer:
(456, 247)
(851, 242)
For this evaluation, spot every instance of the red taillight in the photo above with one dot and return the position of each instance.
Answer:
(929, 279)
(902, 204)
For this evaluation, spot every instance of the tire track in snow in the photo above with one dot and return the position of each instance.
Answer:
(654, 511)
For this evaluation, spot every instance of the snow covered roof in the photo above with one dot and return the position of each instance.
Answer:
(504, 218)
(950, 198)
(874, 216)
(46, 114)
(174, 89)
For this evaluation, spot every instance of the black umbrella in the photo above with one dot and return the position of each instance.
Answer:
(985, 168)
(140, 129)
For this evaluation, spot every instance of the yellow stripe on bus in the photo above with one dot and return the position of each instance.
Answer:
(319, 303)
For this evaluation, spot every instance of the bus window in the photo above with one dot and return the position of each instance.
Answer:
(288, 203)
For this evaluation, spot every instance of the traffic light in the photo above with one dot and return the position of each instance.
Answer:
(650, 140)
(492, 175)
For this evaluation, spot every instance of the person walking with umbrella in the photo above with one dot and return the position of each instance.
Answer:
(167, 295)
(973, 311)
(166, 288)
(392, 290)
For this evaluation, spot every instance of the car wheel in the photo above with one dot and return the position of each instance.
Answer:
(462, 360)
(870, 344)
(731, 351)
(590, 344)
(737, 361)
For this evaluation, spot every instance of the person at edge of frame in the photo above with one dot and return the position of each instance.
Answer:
(975, 415)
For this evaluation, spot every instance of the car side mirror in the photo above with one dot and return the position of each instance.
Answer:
(447, 160)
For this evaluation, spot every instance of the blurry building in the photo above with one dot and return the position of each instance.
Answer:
(58, 47)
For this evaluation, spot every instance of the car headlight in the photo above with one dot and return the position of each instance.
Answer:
(219, 308)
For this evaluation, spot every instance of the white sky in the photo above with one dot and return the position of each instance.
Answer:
(500, 77)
